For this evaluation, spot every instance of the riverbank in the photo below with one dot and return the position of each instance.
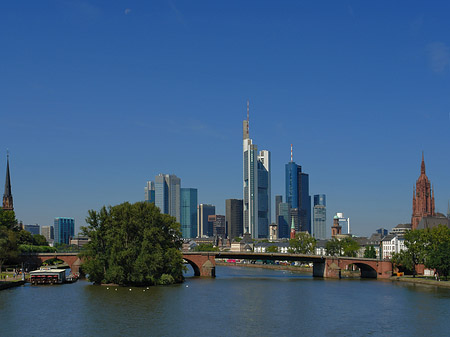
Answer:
(6, 285)
(421, 280)
(297, 269)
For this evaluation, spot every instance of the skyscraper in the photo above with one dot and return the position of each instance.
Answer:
(284, 219)
(204, 227)
(256, 186)
(234, 217)
(33, 229)
(320, 217)
(189, 212)
(64, 229)
(218, 224)
(167, 194)
(48, 232)
(297, 195)
(7, 196)
(149, 190)
(423, 198)
(278, 201)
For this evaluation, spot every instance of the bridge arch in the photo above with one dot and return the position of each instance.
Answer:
(367, 271)
(203, 264)
(194, 266)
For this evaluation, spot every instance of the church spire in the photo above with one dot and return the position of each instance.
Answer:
(7, 196)
(422, 166)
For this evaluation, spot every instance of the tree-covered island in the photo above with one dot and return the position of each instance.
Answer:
(132, 245)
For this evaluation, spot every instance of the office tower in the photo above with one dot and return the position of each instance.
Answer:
(343, 222)
(149, 190)
(234, 217)
(320, 216)
(167, 194)
(284, 219)
(278, 201)
(47, 232)
(218, 224)
(297, 194)
(33, 229)
(256, 186)
(7, 195)
(64, 229)
(204, 227)
(189, 212)
(423, 198)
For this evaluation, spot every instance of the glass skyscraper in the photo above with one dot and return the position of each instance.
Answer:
(297, 195)
(189, 212)
(149, 191)
(64, 229)
(320, 217)
(167, 194)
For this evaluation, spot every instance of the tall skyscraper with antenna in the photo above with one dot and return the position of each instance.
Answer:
(256, 185)
(297, 195)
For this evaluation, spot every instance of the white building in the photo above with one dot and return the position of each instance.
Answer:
(256, 186)
(392, 244)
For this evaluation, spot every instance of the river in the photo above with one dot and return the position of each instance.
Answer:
(239, 302)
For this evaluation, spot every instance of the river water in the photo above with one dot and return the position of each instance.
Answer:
(239, 302)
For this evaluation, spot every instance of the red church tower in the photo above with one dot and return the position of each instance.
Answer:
(423, 198)
(336, 229)
(292, 229)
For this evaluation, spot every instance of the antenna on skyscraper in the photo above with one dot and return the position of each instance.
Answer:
(291, 153)
(248, 116)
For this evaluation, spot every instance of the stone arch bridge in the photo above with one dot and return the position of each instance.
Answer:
(204, 263)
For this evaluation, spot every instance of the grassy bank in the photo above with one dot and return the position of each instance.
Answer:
(421, 280)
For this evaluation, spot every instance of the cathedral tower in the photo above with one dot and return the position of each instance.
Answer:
(7, 196)
(423, 198)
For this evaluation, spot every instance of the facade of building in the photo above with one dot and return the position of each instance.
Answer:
(423, 198)
(278, 201)
(320, 217)
(188, 217)
(33, 229)
(204, 227)
(256, 186)
(273, 232)
(392, 244)
(434, 221)
(284, 219)
(48, 233)
(336, 229)
(167, 194)
(234, 217)
(7, 195)
(218, 224)
(297, 194)
(149, 191)
(64, 229)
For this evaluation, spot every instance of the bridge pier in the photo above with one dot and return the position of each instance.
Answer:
(203, 264)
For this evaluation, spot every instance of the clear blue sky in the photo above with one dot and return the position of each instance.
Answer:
(97, 97)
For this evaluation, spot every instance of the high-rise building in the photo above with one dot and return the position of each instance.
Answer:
(167, 194)
(47, 232)
(204, 227)
(234, 217)
(320, 217)
(297, 194)
(7, 195)
(278, 201)
(256, 186)
(343, 222)
(189, 212)
(423, 198)
(149, 190)
(33, 229)
(284, 219)
(218, 224)
(64, 229)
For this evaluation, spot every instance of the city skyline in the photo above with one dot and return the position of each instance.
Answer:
(355, 87)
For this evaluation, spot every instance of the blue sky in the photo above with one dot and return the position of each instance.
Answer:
(98, 97)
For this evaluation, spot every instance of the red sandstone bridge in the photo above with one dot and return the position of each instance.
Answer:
(204, 263)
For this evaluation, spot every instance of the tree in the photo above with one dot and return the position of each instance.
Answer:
(437, 254)
(416, 242)
(132, 244)
(205, 247)
(302, 244)
(39, 240)
(272, 249)
(370, 253)
(350, 247)
(333, 247)
(8, 243)
(24, 238)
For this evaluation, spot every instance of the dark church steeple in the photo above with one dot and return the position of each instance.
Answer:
(7, 196)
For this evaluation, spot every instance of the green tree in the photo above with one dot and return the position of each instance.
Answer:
(302, 244)
(333, 247)
(39, 240)
(132, 244)
(205, 247)
(272, 249)
(8, 240)
(370, 253)
(24, 238)
(350, 247)
(437, 255)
